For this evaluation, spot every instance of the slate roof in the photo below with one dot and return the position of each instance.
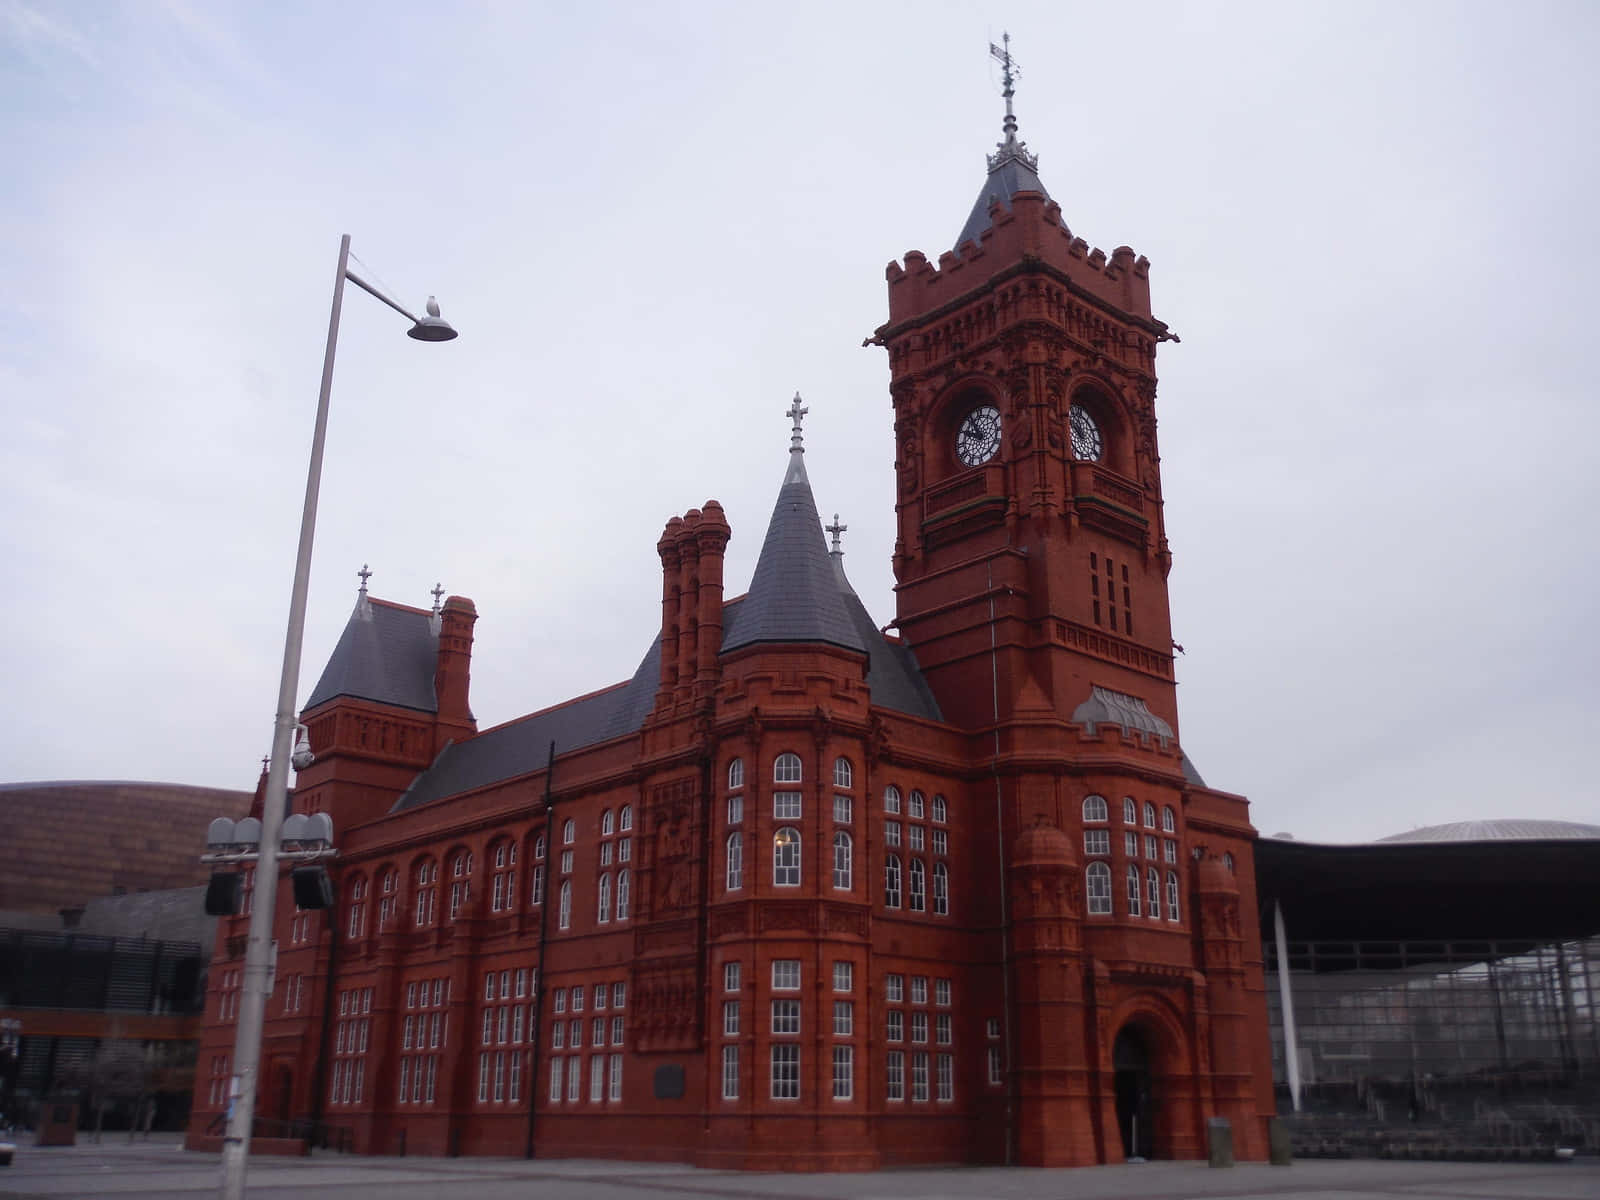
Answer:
(1514, 829)
(388, 653)
(799, 593)
(1012, 170)
(794, 594)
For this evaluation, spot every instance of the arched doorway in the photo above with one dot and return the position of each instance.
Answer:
(1130, 1061)
(283, 1093)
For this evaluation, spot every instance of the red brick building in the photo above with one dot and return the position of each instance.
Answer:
(800, 894)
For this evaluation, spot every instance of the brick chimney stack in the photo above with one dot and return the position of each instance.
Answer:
(453, 675)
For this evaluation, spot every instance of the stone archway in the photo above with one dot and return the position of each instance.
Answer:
(1149, 1085)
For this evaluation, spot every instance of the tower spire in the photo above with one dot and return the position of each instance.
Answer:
(797, 414)
(1012, 149)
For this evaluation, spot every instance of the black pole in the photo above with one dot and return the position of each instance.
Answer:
(329, 991)
(544, 925)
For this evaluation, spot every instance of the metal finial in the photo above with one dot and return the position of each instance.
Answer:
(836, 529)
(265, 762)
(1010, 69)
(436, 593)
(365, 575)
(797, 414)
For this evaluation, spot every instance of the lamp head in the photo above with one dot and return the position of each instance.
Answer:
(433, 327)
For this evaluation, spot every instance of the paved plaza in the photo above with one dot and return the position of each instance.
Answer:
(159, 1168)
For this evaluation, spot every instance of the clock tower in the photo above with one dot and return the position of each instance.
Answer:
(1030, 557)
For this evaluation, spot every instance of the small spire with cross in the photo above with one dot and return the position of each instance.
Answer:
(835, 530)
(365, 574)
(438, 591)
(797, 413)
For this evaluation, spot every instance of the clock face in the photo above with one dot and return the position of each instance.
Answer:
(1086, 442)
(978, 439)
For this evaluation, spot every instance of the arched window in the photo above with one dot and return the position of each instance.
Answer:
(626, 821)
(891, 881)
(1172, 895)
(1169, 820)
(1133, 891)
(941, 810)
(843, 775)
(787, 768)
(786, 858)
(736, 774)
(536, 893)
(918, 890)
(503, 882)
(427, 877)
(917, 808)
(1094, 809)
(1152, 893)
(1149, 815)
(1130, 811)
(841, 860)
(1097, 878)
(604, 914)
(358, 909)
(564, 913)
(941, 890)
(569, 833)
(891, 799)
(460, 874)
(538, 846)
(622, 897)
(607, 824)
(388, 890)
(735, 862)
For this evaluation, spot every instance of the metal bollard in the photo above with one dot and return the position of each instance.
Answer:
(1219, 1142)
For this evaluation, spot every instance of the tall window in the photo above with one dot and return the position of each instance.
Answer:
(1152, 895)
(786, 858)
(786, 769)
(891, 799)
(843, 808)
(730, 1072)
(843, 774)
(735, 862)
(918, 894)
(941, 889)
(1097, 841)
(569, 833)
(503, 884)
(1149, 815)
(736, 774)
(460, 881)
(427, 877)
(1130, 811)
(941, 810)
(564, 913)
(603, 915)
(1133, 891)
(841, 861)
(894, 1076)
(844, 1070)
(786, 1072)
(891, 881)
(625, 820)
(1172, 895)
(388, 890)
(607, 823)
(622, 895)
(1094, 809)
(1169, 819)
(1098, 886)
(916, 808)
(358, 908)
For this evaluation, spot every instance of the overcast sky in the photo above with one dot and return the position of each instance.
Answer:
(1372, 224)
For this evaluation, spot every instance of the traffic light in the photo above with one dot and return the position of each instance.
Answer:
(312, 887)
(222, 894)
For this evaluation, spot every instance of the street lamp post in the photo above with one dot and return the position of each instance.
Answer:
(258, 948)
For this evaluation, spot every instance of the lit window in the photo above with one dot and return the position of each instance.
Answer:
(891, 881)
(841, 861)
(786, 769)
(736, 774)
(1098, 880)
(786, 858)
(891, 799)
(1169, 820)
(941, 810)
(735, 862)
(842, 773)
(1094, 809)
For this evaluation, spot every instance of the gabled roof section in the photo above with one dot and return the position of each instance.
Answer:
(387, 653)
(794, 594)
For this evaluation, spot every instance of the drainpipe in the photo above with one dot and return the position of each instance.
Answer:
(539, 971)
(1000, 858)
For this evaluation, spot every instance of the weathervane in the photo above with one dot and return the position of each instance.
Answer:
(796, 413)
(1009, 70)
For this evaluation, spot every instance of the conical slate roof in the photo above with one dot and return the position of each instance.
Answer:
(794, 595)
(1012, 170)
